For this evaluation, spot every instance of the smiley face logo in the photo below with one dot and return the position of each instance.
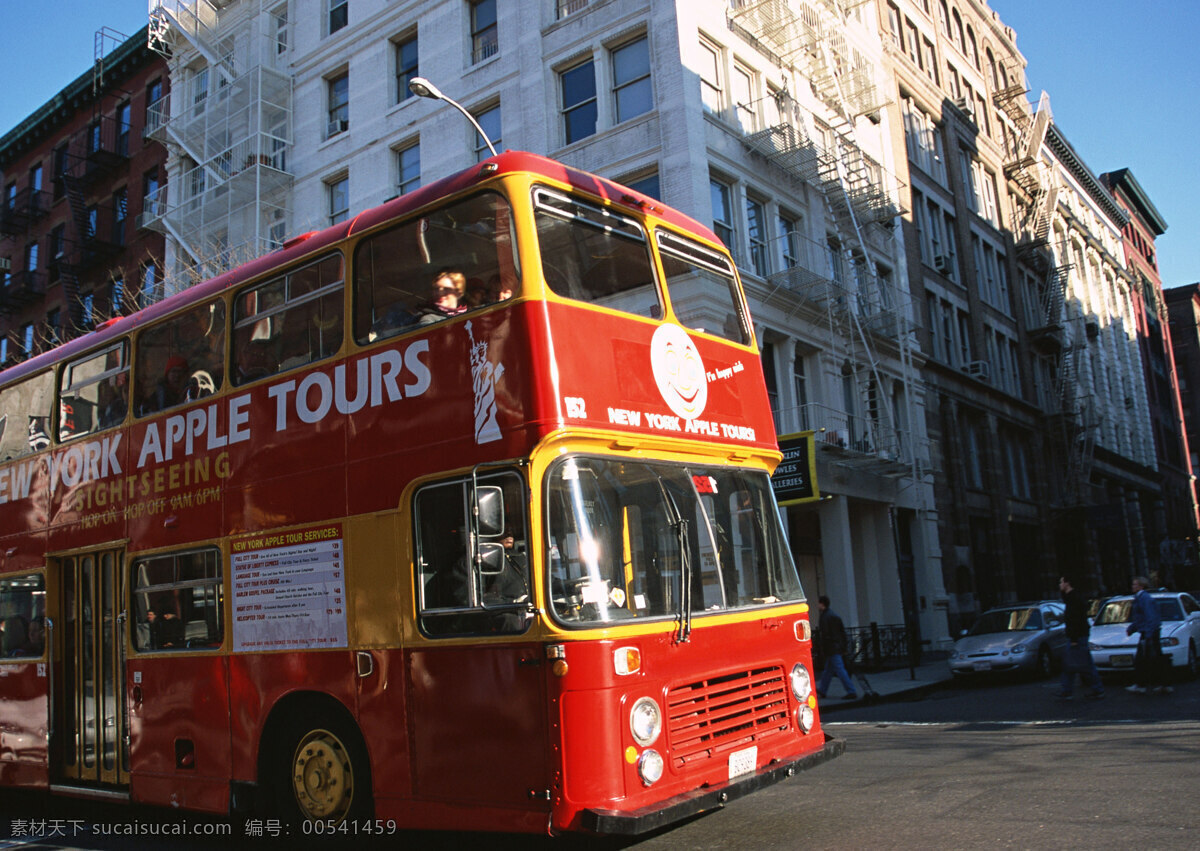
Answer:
(678, 371)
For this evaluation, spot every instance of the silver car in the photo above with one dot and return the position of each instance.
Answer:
(1022, 637)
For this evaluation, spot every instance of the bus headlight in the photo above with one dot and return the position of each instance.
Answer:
(805, 717)
(801, 682)
(645, 722)
(650, 766)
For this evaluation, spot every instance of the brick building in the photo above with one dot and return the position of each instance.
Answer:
(75, 173)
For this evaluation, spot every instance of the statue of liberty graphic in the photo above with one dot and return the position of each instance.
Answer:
(484, 377)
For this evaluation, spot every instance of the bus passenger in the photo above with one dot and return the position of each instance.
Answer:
(171, 389)
(445, 298)
(14, 636)
(115, 401)
(37, 637)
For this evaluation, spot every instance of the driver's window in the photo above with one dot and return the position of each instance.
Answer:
(472, 580)
(182, 359)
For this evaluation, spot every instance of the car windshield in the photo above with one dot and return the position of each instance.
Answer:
(634, 540)
(1007, 620)
(1121, 611)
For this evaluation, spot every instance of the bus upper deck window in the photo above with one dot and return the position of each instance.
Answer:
(396, 270)
(182, 359)
(693, 269)
(93, 392)
(594, 254)
(25, 409)
(288, 321)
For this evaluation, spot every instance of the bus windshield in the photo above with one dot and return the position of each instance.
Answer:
(636, 539)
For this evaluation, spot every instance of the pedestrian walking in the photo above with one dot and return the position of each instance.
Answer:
(1147, 664)
(1078, 658)
(831, 635)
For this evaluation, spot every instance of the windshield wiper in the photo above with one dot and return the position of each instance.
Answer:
(680, 525)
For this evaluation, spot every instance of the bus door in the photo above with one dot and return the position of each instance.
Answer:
(90, 713)
(477, 686)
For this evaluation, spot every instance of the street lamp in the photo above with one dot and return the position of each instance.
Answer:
(421, 87)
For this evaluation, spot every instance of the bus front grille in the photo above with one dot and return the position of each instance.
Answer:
(710, 717)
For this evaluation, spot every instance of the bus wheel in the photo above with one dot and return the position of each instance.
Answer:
(326, 777)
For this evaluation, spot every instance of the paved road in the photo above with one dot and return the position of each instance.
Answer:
(987, 765)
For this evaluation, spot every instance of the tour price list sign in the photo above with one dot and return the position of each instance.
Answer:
(289, 590)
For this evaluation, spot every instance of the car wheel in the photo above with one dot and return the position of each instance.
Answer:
(1045, 665)
(1193, 663)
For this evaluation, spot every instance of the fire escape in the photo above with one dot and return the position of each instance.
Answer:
(228, 126)
(1058, 343)
(838, 282)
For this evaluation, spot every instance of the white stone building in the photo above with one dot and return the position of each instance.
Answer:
(765, 118)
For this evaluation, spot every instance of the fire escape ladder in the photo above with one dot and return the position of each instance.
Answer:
(196, 21)
(858, 305)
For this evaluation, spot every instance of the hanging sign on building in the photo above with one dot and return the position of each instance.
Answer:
(795, 479)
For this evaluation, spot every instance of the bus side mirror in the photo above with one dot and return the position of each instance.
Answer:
(491, 559)
(489, 501)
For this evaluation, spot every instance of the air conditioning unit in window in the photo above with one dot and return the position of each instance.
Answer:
(965, 105)
(942, 263)
(979, 369)
(339, 126)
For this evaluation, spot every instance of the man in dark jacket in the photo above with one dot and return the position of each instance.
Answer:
(1146, 622)
(831, 633)
(1078, 658)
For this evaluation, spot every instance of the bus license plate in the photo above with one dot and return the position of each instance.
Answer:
(743, 762)
(1122, 660)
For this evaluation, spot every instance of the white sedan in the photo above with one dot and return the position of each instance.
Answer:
(1113, 650)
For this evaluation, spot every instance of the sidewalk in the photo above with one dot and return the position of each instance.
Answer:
(889, 685)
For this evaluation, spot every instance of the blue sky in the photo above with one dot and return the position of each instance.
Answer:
(1124, 87)
(1123, 81)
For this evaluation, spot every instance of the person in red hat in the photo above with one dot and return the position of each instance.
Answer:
(172, 388)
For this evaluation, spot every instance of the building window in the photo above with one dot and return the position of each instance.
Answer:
(489, 120)
(154, 93)
(199, 91)
(87, 315)
(27, 339)
(722, 210)
(124, 125)
(31, 257)
(710, 77)
(339, 199)
(280, 17)
(800, 381)
(406, 67)
(756, 231)
(150, 284)
(120, 211)
(648, 185)
(408, 169)
(579, 101)
(631, 79)
(150, 204)
(484, 37)
(339, 105)
(339, 14)
(117, 295)
(787, 240)
(60, 170)
(743, 98)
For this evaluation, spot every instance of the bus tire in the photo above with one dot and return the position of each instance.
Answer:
(318, 771)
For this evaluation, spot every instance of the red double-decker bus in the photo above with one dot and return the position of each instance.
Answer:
(455, 514)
